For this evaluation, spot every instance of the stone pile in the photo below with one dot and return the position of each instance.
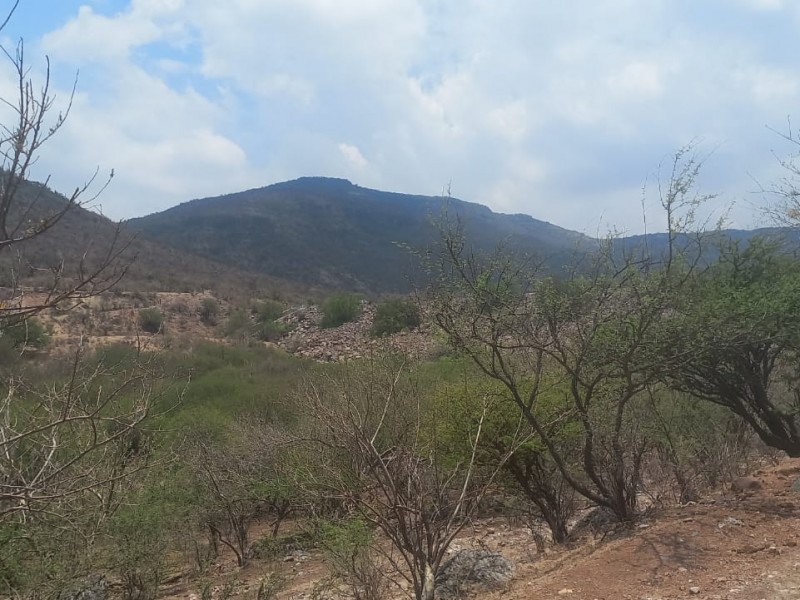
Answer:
(351, 340)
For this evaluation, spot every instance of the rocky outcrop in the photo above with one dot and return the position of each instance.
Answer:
(351, 340)
(471, 570)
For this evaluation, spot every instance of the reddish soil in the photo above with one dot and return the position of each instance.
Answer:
(726, 547)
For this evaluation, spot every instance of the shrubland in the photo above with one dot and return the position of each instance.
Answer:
(630, 381)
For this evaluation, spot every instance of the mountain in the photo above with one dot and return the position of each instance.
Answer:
(83, 236)
(329, 232)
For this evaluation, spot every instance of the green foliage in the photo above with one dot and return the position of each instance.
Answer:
(270, 585)
(395, 315)
(29, 332)
(267, 310)
(345, 545)
(38, 560)
(140, 534)
(270, 331)
(237, 325)
(339, 309)
(209, 311)
(735, 337)
(151, 320)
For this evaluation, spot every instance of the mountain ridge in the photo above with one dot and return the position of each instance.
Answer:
(331, 232)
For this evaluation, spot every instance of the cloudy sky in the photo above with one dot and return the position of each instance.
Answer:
(561, 110)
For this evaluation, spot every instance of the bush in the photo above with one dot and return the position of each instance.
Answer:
(238, 324)
(395, 315)
(151, 320)
(209, 309)
(340, 309)
(270, 331)
(268, 310)
(29, 332)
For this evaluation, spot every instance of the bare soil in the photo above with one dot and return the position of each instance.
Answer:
(728, 546)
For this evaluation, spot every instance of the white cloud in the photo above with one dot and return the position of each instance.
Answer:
(639, 79)
(556, 109)
(93, 37)
(353, 156)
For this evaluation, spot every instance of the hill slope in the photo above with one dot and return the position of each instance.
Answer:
(330, 232)
(85, 235)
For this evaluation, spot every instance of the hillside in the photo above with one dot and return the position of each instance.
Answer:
(330, 232)
(334, 234)
(83, 235)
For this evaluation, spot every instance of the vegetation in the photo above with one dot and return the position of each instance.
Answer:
(394, 315)
(151, 320)
(339, 309)
(29, 332)
(639, 373)
(209, 311)
(329, 233)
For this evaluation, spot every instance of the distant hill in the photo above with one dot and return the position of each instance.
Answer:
(332, 233)
(296, 239)
(83, 235)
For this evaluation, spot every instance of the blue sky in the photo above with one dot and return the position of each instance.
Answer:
(561, 110)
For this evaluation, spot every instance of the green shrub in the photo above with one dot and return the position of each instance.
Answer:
(270, 331)
(238, 324)
(395, 315)
(339, 309)
(29, 332)
(267, 310)
(151, 320)
(209, 310)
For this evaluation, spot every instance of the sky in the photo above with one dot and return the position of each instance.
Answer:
(566, 111)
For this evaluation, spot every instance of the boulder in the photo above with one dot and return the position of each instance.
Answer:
(472, 570)
(93, 587)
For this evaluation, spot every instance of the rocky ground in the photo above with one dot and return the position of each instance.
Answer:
(728, 546)
(351, 340)
(113, 318)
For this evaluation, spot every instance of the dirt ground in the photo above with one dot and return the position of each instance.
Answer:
(726, 547)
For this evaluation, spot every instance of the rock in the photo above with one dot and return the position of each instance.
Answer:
(93, 587)
(565, 592)
(796, 485)
(472, 569)
(694, 590)
(729, 522)
(745, 484)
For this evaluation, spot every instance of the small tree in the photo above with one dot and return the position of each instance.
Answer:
(394, 315)
(27, 333)
(339, 309)
(151, 320)
(209, 311)
(380, 450)
(65, 445)
(596, 333)
(734, 340)
(242, 477)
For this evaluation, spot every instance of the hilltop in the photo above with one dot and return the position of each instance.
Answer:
(329, 232)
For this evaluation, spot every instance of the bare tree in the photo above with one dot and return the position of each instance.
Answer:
(28, 210)
(62, 443)
(243, 478)
(68, 440)
(578, 350)
(381, 451)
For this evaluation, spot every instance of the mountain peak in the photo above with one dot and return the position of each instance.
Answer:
(330, 183)
(330, 232)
